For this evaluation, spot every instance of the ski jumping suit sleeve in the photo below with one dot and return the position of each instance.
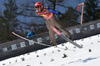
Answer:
(53, 11)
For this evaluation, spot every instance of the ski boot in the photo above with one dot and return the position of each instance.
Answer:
(53, 44)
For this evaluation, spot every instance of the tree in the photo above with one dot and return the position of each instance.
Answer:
(1, 29)
(54, 3)
(9, 20)
(69, 18)
(92, 12)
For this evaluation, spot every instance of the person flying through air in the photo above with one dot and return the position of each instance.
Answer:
(50, 20)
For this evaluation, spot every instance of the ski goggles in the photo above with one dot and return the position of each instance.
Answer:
(37, 7)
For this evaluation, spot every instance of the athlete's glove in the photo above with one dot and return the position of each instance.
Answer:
(59, 13)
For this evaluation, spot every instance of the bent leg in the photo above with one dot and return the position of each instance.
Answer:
(51, 32)
(57, 24)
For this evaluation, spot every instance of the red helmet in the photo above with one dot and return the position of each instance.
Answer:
(38, 4)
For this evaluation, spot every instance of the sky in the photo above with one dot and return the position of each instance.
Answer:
(1, 6)
(89, 55)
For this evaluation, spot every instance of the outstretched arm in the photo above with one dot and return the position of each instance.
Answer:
(53, 11)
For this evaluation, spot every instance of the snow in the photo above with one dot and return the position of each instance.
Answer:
(89, 55)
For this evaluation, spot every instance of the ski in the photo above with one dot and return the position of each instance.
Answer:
(64, 37)
(29, 40)
(37, 42)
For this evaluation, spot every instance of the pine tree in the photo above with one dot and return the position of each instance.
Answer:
(1, 24)
(92, 12)
(9, 20)
(69, 18)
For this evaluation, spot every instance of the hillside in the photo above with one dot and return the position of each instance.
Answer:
(89, 55)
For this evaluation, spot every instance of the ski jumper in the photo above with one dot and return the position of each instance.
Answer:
(51, 20)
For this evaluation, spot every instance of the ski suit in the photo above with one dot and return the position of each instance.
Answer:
(51, 20)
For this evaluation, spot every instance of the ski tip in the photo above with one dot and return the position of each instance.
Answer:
(12, 32)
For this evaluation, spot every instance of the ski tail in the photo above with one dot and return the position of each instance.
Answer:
(64, 37)
(67, 39)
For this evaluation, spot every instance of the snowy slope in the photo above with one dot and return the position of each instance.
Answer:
(87, 56)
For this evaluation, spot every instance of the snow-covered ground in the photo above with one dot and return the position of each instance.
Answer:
(65, 55)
